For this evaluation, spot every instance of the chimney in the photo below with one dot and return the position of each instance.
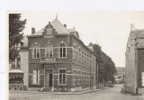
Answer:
(65, 25)
(33, 30)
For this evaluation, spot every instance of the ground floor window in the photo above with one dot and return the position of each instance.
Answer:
(35, 77)
(62, 76)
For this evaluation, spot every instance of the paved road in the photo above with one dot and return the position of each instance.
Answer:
(106, 94)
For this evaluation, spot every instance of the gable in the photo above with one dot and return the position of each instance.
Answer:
(48, 30)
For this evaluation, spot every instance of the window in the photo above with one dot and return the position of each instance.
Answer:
(35, 53)
(35, 77)
(62, 77)
(63, 50)
(49, 31)
(42, 52)
(74, 53)
(49, 52)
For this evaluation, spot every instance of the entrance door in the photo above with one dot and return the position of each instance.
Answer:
(50, 80)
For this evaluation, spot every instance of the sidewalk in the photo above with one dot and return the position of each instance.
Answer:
(77, 92)
(18, 93)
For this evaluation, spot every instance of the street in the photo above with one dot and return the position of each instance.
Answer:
(105, 94)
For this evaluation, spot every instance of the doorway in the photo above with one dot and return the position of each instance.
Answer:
(49, 79)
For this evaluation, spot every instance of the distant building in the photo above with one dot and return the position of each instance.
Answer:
(56, 59)
(134, 73)
(119, 76)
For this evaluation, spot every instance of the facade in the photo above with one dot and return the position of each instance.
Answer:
(55, 59)
(134, 74)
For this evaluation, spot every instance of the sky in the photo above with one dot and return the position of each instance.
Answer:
(109, 29)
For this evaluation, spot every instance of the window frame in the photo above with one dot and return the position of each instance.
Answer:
(63, 83)
(35, 52)
(37, 80)
(48, 52)
(62, 50)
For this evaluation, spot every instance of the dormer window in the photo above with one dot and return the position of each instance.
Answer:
(49, 31)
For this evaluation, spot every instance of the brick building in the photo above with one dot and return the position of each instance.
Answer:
(56, 59)
(134, 74)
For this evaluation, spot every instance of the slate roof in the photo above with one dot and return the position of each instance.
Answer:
(59, 27)
(137, 33)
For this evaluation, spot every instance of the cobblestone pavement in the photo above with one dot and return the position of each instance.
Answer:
(105, 94)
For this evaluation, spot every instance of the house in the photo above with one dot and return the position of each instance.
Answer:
(134, 73)
(54, 58)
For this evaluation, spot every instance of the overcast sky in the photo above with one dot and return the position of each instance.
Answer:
(108, 29)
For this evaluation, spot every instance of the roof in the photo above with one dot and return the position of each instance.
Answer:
(59, 27)
(90, 46)
(15, 71)
(137, 33)
(72, 29)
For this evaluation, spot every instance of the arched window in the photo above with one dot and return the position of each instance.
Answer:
(62, 50)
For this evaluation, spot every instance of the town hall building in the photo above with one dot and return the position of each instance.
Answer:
(54, 58)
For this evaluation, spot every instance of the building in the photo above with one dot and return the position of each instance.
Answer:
(55, 59)
(134, 73)
(15, 74)
(119, 76)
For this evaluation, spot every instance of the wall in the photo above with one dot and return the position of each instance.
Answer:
(24, 62)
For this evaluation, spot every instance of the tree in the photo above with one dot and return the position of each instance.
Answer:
(106, 65)
(16, 26)
(109, 68)
(99, 60)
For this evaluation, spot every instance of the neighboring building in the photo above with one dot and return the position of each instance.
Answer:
(134, 75)
(119, 76)
(56, 59)
(16, 79)
(15, 74)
